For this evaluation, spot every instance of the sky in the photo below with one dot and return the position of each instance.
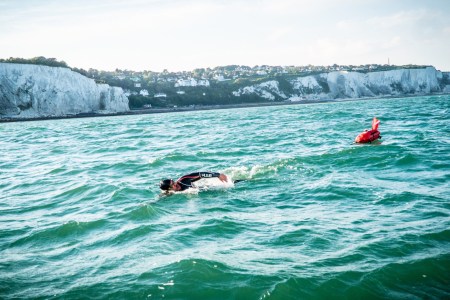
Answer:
(182, 35)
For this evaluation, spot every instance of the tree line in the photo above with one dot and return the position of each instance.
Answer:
(39, 60)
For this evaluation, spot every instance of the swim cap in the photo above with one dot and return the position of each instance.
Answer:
(165, 184)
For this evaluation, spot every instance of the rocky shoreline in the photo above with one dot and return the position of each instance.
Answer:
(160, 110)
(203, 108)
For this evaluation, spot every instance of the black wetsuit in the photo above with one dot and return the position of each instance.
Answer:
(186, 181)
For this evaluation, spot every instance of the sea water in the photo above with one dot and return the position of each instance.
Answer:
(317, 217)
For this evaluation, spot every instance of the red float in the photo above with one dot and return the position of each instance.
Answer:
(368, 136)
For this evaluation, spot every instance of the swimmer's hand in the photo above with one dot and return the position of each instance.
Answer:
(223, 178)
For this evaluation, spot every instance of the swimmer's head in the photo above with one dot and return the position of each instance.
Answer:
(165, 184)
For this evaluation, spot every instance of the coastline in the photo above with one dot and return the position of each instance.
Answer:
(203, 108)
(164, 110)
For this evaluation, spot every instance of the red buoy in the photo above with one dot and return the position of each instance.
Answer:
(369, 136)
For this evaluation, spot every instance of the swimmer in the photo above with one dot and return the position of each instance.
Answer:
(185, 182)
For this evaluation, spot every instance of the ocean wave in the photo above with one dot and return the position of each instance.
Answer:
(58, 233)
(82, 215)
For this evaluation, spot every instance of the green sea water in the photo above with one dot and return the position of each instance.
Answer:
(318, 217)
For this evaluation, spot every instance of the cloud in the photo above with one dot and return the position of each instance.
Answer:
(345, 24)
(403, 18)
(277, 34)
(184, 34)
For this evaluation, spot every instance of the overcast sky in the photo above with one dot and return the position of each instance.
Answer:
(187, 34)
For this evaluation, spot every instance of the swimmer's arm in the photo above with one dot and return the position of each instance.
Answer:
(222, 177)
(199, 175)
(209, 174)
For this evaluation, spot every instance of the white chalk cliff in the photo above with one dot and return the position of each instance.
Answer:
(339, 85)
(31, 91)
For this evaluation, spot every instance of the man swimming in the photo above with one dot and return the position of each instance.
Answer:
(185, 182)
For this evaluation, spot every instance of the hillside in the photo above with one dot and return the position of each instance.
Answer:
(241, 84)
(244, 85)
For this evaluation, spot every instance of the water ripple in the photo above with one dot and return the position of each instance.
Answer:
(82, 216)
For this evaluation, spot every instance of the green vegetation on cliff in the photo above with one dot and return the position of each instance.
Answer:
(40, 60)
